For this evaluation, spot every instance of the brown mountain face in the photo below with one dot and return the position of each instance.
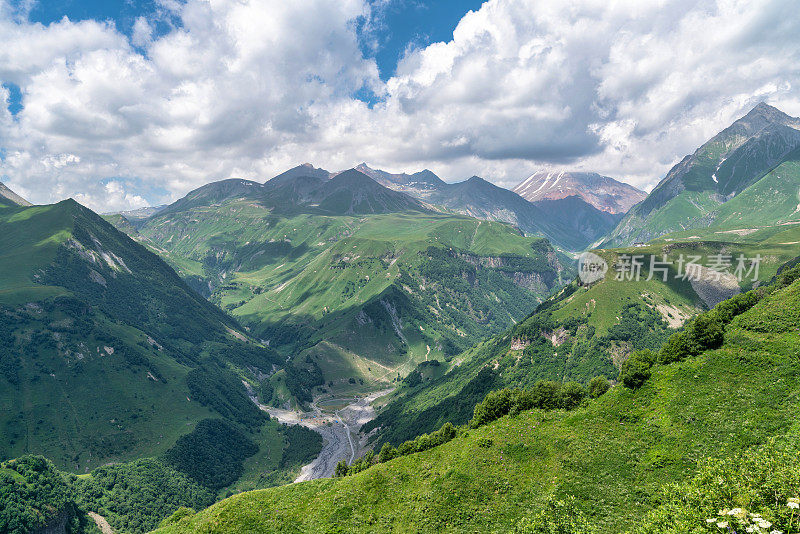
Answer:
(602, 192)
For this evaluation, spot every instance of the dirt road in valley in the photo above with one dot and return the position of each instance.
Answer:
(339, 432)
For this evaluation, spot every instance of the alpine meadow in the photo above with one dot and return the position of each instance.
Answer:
(379, 266)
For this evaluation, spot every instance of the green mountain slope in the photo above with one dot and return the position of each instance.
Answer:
(362, 296)
(719, 172)
(774, 199)
(613, 455)
(582, 332)
(107, 355)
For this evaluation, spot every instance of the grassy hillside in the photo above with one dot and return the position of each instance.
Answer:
(614, 455)
(582, 332)
(107, 355)
(361, 297)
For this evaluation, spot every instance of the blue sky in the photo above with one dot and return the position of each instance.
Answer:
(397, 25)
(122, 12)
(177, 93)
(416, 23)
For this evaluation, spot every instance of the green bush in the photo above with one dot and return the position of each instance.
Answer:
(678, 346)
(708, 331)
(387, 453)
(544, 395)
(494, 406)
(419, 444)
(598, 386)
(636, 369)
(571, 395)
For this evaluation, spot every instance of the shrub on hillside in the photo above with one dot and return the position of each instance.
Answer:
(571, 395)
(678, 346)
(421, 443)
(598, 386)
(545, 395)
(636, 369)
(707, 331)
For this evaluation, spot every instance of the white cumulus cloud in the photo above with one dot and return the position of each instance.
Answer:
(250, 87)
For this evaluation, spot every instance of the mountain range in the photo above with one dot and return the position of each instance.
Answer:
(570, 222)
(107, 355)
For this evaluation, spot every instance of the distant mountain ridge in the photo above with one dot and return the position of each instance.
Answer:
(602, 192)
(364, 190)
(304, 189)
(763, 143)
(575, 229)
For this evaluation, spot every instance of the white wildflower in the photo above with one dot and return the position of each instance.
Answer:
(722, 524)
(793, 505)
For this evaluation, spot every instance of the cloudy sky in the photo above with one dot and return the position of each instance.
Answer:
(123, 103)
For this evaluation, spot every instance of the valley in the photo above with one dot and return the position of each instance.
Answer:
(359, 299)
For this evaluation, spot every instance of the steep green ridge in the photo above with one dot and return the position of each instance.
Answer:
(613, 455)
(728, 169)
(361, 296)
(107, 355)
(581, 332)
